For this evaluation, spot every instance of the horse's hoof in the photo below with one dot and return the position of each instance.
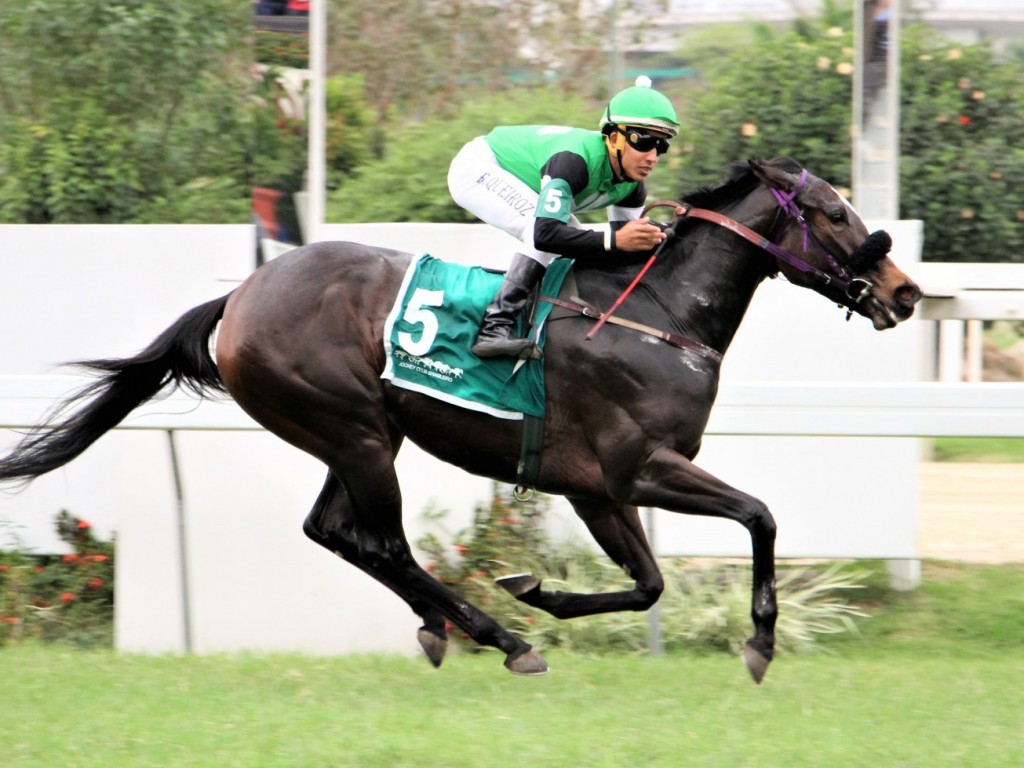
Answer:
(757, 663)
(518, 584)
(435, 647)
(528, 662)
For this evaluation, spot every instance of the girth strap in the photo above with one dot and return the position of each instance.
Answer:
(528, 468)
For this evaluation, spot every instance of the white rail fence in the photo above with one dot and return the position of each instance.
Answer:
(863, 409)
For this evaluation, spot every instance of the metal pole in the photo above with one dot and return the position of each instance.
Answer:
(876, 100)
(179, 495)
(655, 646)
(316, 170)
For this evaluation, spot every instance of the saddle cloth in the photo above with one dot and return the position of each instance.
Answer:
(433, 324)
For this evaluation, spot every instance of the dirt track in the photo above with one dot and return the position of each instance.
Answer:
(971, 512)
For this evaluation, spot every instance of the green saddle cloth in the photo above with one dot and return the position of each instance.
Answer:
(433, 324)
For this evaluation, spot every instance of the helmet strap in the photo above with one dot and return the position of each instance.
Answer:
(616, 139)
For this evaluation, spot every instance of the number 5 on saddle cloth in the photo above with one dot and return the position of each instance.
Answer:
(429, 332)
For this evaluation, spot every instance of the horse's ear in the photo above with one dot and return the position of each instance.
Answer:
(772, 175)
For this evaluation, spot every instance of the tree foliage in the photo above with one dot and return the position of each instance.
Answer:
(789, 92)
(409, 181)
(420, 58)
(782, 92)
(962, 148)
(110, 109)
(144, 110)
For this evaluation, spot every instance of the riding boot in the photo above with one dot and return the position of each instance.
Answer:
(496, 338)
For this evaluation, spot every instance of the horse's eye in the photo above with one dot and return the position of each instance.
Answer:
(837, 216)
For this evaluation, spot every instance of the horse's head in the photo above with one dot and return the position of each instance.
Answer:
(825, 245)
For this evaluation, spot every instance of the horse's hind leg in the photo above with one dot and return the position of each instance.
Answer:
(617, 529)
(378, 547)
(330, 524)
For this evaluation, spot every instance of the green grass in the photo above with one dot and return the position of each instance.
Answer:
(987, 449)
(1005, 333)
(933, 680)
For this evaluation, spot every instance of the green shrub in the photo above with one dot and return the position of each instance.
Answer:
(68, 598)
(282, 49)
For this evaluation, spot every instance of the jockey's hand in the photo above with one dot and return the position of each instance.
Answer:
(639, 235)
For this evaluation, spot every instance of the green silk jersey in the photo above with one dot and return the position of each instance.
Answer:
(570, 169)
(533, 152)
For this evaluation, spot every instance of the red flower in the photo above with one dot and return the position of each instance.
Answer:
(69, 559)
(95, 583)
(12, 620)
(461, 549)
(963, 119)
(67, 597)
(98, 558)
(5, 568)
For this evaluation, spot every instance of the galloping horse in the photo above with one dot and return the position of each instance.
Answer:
(300, 349)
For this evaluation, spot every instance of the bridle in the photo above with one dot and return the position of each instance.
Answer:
(856, 288)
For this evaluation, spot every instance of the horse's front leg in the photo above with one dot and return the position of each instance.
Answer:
(617, 529)
(668, 480)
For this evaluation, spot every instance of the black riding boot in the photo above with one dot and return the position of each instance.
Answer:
(495, 338)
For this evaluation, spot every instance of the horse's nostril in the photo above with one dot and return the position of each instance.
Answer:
(908, 294)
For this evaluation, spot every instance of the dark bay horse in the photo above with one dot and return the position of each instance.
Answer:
(300, 349)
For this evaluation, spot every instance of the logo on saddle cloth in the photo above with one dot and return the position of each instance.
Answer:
(433, 324)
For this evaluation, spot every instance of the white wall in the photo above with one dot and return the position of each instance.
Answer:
(72, 292)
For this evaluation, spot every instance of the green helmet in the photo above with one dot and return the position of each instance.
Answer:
(642, 106)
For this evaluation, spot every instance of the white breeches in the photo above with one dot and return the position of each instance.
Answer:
(495, 196)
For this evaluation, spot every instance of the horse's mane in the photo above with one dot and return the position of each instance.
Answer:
(739, 181)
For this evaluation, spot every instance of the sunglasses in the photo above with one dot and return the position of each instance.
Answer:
(642, 141)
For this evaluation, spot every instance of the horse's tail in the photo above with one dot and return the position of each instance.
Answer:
(179, 356)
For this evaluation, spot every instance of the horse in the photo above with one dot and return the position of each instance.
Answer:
(299, 348)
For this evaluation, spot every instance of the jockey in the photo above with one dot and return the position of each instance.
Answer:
(530, 180)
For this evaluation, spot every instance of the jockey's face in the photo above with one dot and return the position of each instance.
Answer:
(638, 151)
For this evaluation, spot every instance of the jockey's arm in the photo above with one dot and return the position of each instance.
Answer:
(556, 230)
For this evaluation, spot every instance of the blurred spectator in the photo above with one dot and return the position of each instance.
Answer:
(877, 14)
(297, 8)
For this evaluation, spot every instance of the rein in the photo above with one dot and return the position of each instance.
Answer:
(854, 287)
(787, 205)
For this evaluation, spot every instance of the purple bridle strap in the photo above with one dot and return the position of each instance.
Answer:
(787, 202)
(788, 205)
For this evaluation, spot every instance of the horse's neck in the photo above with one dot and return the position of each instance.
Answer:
(704, 285)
